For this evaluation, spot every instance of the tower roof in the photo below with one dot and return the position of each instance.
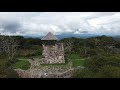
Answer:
(49, 36)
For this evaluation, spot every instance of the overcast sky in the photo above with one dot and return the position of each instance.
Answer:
(40, 23)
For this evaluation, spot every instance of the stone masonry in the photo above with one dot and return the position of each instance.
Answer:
(53, 54)
(28, 74)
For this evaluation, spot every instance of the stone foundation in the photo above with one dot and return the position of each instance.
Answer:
(39, 71)
(28, 74)
(53, 54)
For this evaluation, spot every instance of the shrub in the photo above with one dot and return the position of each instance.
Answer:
(96, 62)
(109, 71)
(92, 52)
(83, 73)
(8, 73)
(100, 67)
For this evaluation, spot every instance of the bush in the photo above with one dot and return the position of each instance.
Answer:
(4, 63)
(28, 53)
(92, 52)
(8, 73)
(96, 62)
(100, 67)
(109, 71)
(2, 55)
(84, 73)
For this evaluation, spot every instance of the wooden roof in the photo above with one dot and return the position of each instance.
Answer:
(49, 36)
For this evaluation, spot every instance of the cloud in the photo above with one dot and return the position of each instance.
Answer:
(40, 23)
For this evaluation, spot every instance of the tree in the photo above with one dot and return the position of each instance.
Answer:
(9, 46)
(68, 45)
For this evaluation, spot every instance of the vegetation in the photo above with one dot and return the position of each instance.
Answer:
(22, 64)
(102, 67)
(100, 56)
(8, 73)
(75, 59)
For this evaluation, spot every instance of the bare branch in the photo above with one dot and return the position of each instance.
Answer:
(9, 46)
(68, 45)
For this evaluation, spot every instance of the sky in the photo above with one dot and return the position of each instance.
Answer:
(40, 23)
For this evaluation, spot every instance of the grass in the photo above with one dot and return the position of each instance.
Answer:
(78, 63)
(22, 64)
(75, 59)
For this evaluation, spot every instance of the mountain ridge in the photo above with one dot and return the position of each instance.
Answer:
(69, 35)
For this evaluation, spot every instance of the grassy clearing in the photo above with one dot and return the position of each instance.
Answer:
(78, 63)
(75, 59)
(22, 64)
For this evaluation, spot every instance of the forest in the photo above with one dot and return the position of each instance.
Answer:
(100, 56)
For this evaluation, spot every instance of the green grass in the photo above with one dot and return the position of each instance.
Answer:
(75, 59)
(78, 62)
(72, 56)
(22, 64)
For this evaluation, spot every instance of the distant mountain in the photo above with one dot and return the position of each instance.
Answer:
(31, 36)
(75, 35)
(66, 35)
(116, 37)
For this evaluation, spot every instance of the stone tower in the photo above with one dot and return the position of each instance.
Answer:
(53, 52)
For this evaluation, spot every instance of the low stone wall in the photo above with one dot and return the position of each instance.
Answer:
(28, 74)
(66, 74)
(38, 71)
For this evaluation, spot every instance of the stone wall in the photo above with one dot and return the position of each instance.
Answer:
(53, 53)
(28, 74)
(48, 72)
